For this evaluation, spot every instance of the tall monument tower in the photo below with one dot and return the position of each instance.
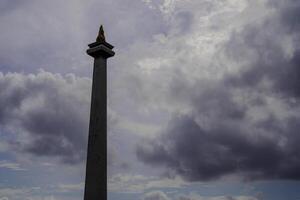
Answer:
(96, 165)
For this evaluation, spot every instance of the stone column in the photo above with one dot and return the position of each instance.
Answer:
(96, 165)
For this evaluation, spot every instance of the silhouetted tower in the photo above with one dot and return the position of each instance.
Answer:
(96, 165)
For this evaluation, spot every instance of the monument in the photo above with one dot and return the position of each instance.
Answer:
(96, 164)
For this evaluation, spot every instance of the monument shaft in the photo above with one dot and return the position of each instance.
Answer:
(96, 166)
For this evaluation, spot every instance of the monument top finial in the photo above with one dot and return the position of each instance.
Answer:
(100, 46)
(100, 37)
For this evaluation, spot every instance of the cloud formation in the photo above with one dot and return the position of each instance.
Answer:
(243, 123)
(54, 36)
(155, 195)
(11, 166)
(47, 114)
(139, 183)
(159, 195)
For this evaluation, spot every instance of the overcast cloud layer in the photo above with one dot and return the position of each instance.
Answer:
(246, 123)
(207, 89)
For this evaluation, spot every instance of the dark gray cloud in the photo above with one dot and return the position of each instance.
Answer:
(274, 51)
(198, 154)
(245, 124)
(47, 113)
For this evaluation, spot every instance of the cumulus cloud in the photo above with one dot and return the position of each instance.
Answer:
(197, 197)
(38, 193)
(155, 195)
(11, 165)
(14, 193)
(243, 123)
(139, 183)
(71, 187)
(159, 195)
(47, 114)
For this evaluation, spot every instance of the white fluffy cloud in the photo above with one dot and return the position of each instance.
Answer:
(11, 165)
(155, 195)
(139, 183)
(159, 195)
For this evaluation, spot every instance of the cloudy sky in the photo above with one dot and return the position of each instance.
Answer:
(204, 98)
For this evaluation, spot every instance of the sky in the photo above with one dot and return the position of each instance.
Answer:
(203, 98)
